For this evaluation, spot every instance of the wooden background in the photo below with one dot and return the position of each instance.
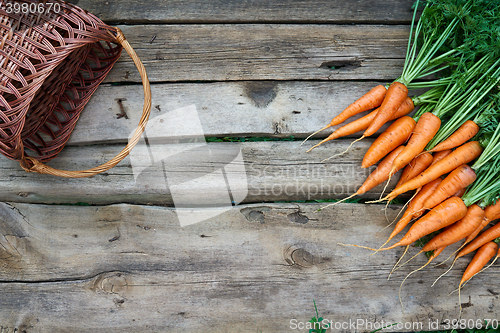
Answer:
(256, 68)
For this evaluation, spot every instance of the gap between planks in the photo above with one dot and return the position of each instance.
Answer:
(265, 11)
(259, 172)
(264, 52)
(247, 108)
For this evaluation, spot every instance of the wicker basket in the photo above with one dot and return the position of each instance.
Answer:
(51, 62)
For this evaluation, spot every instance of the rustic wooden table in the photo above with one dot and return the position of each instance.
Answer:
(122, 263)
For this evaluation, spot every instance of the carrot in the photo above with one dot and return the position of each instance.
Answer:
(381, 173)
(463, 134)
(414, 209)
(492, 263)
(478, 269)
(481, 258)
(460, 193)
(394, 97)
(492, 212)
(425, 129)
(487, 236)
(457, 231)
(378, 176)
(394, 136)
(362, 123)
(405, 108)
(436, 253)
(415, 167)
(462, 155)
(476, 232)
(441, 216)
(368, 101)
(432, 256)
(436, 157)
(458, 179)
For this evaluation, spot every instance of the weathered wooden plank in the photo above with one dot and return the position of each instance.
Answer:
(232, 52)
(221, 11)
(249, 108)
(253, 268)
(271, 171)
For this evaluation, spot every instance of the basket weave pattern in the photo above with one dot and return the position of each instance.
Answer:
(50, 65)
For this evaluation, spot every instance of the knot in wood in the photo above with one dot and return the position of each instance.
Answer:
(295, 256)
(114, 284)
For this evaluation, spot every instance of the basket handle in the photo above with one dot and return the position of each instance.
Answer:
(31, 164)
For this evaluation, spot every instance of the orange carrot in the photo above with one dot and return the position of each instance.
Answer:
(436, 253)
(394, 136)
(427, 126)
(378, 176)
(460, 193)
(415, 167)
(368, 101)
(436, 157)
(476, 232)
(419, 205)
(362, 124)
(481, 258)
(491, 264)
(381, 173)
(406, 107)
(394, 97)
(475, 243)
(458, 179)
(487, 236)
(457, 231)
(493, 212)
(490, 213)
(414, 209)
(441, 216)
(462, 155)
(463, 134)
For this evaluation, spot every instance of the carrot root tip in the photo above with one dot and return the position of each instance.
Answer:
(407, 276)
(316, 145)
(324, 128)
(396, 264)
(345, 151)
(449, 269)
(376, 201)
(336, 203)
(359, 246)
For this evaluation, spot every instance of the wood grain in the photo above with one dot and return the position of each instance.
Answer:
(248, 108)
(233, 52)
(125, 268)
(222, 11)
(274, 171)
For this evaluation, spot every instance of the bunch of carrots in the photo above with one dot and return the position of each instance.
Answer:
(457, 124)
